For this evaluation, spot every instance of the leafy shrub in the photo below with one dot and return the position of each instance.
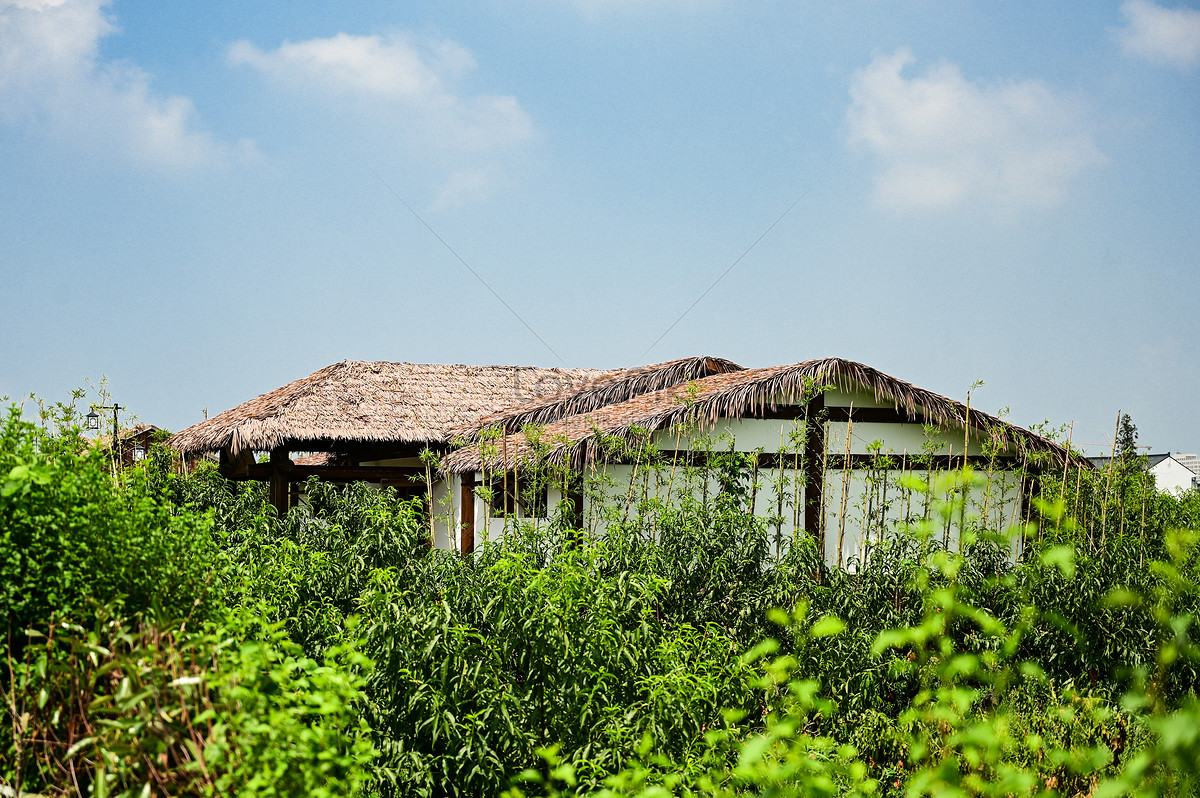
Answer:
(128, 707)
(70, 536)
(353, 658)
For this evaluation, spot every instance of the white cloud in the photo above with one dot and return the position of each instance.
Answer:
(393, 77)
(1162, 35)
(943, 142)
(363, 64)
(464, 186)
(53, 83)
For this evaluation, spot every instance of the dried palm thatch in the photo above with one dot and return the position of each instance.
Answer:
(372, 402)
(126, 435)
(609, 388)
(735, 395)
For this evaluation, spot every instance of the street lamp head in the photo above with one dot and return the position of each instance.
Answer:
(139, 452)
(93, 420)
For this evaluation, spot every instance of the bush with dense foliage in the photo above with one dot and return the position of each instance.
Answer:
(170, 634)
(72, 537)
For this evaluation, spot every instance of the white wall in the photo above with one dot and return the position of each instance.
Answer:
(863, 508)
(1172, 476)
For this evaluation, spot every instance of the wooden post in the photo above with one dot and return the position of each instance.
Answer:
(280, 465)
(575, 487)
(467, 514)
(814, 476)
(847, 476)
(429, 504)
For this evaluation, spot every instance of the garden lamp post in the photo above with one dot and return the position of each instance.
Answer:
(93, 422)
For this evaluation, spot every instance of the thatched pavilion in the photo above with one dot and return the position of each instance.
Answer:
(359, 413)
(372, 420)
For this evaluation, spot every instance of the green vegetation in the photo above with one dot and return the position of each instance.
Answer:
(169, 634)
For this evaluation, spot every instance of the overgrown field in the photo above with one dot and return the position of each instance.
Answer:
(170, 635)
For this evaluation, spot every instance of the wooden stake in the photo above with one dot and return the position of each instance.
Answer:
(429, 504)
(1062, 494)
(845, 487)
(1112, 462)
(779, 498)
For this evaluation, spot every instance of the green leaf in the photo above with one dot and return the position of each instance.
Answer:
(1062, 557)
(778, 617)
(100, 785)
(79, 746)
(1122, 597)
(828, 626)
(762, 649)
(753, 751)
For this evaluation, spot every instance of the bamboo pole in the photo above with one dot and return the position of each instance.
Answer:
(753, 483)
(1112, 462)
(779, 498)
(868, 500)
(504, 461)
(1142, 529)
(845, 487)
(1079, 489)
(429, 503)
(516, 498)
(797, 463)
(1062, 493)
(883, 505)
(629, 495)
(826, 431)
(674, 460)
(946, 497)
(967, 429)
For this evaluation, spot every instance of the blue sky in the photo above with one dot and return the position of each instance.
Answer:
(202, 202)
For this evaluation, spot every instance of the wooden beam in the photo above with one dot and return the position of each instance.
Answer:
(938, 462)
(299, 473)
(861, 415)
(872, 415)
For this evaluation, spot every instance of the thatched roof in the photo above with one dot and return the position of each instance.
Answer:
(608, 388)
(363, 402)
(733, 395)
(126, 435)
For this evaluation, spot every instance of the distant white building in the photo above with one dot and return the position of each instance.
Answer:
(1171, 472)
(1171, 475)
